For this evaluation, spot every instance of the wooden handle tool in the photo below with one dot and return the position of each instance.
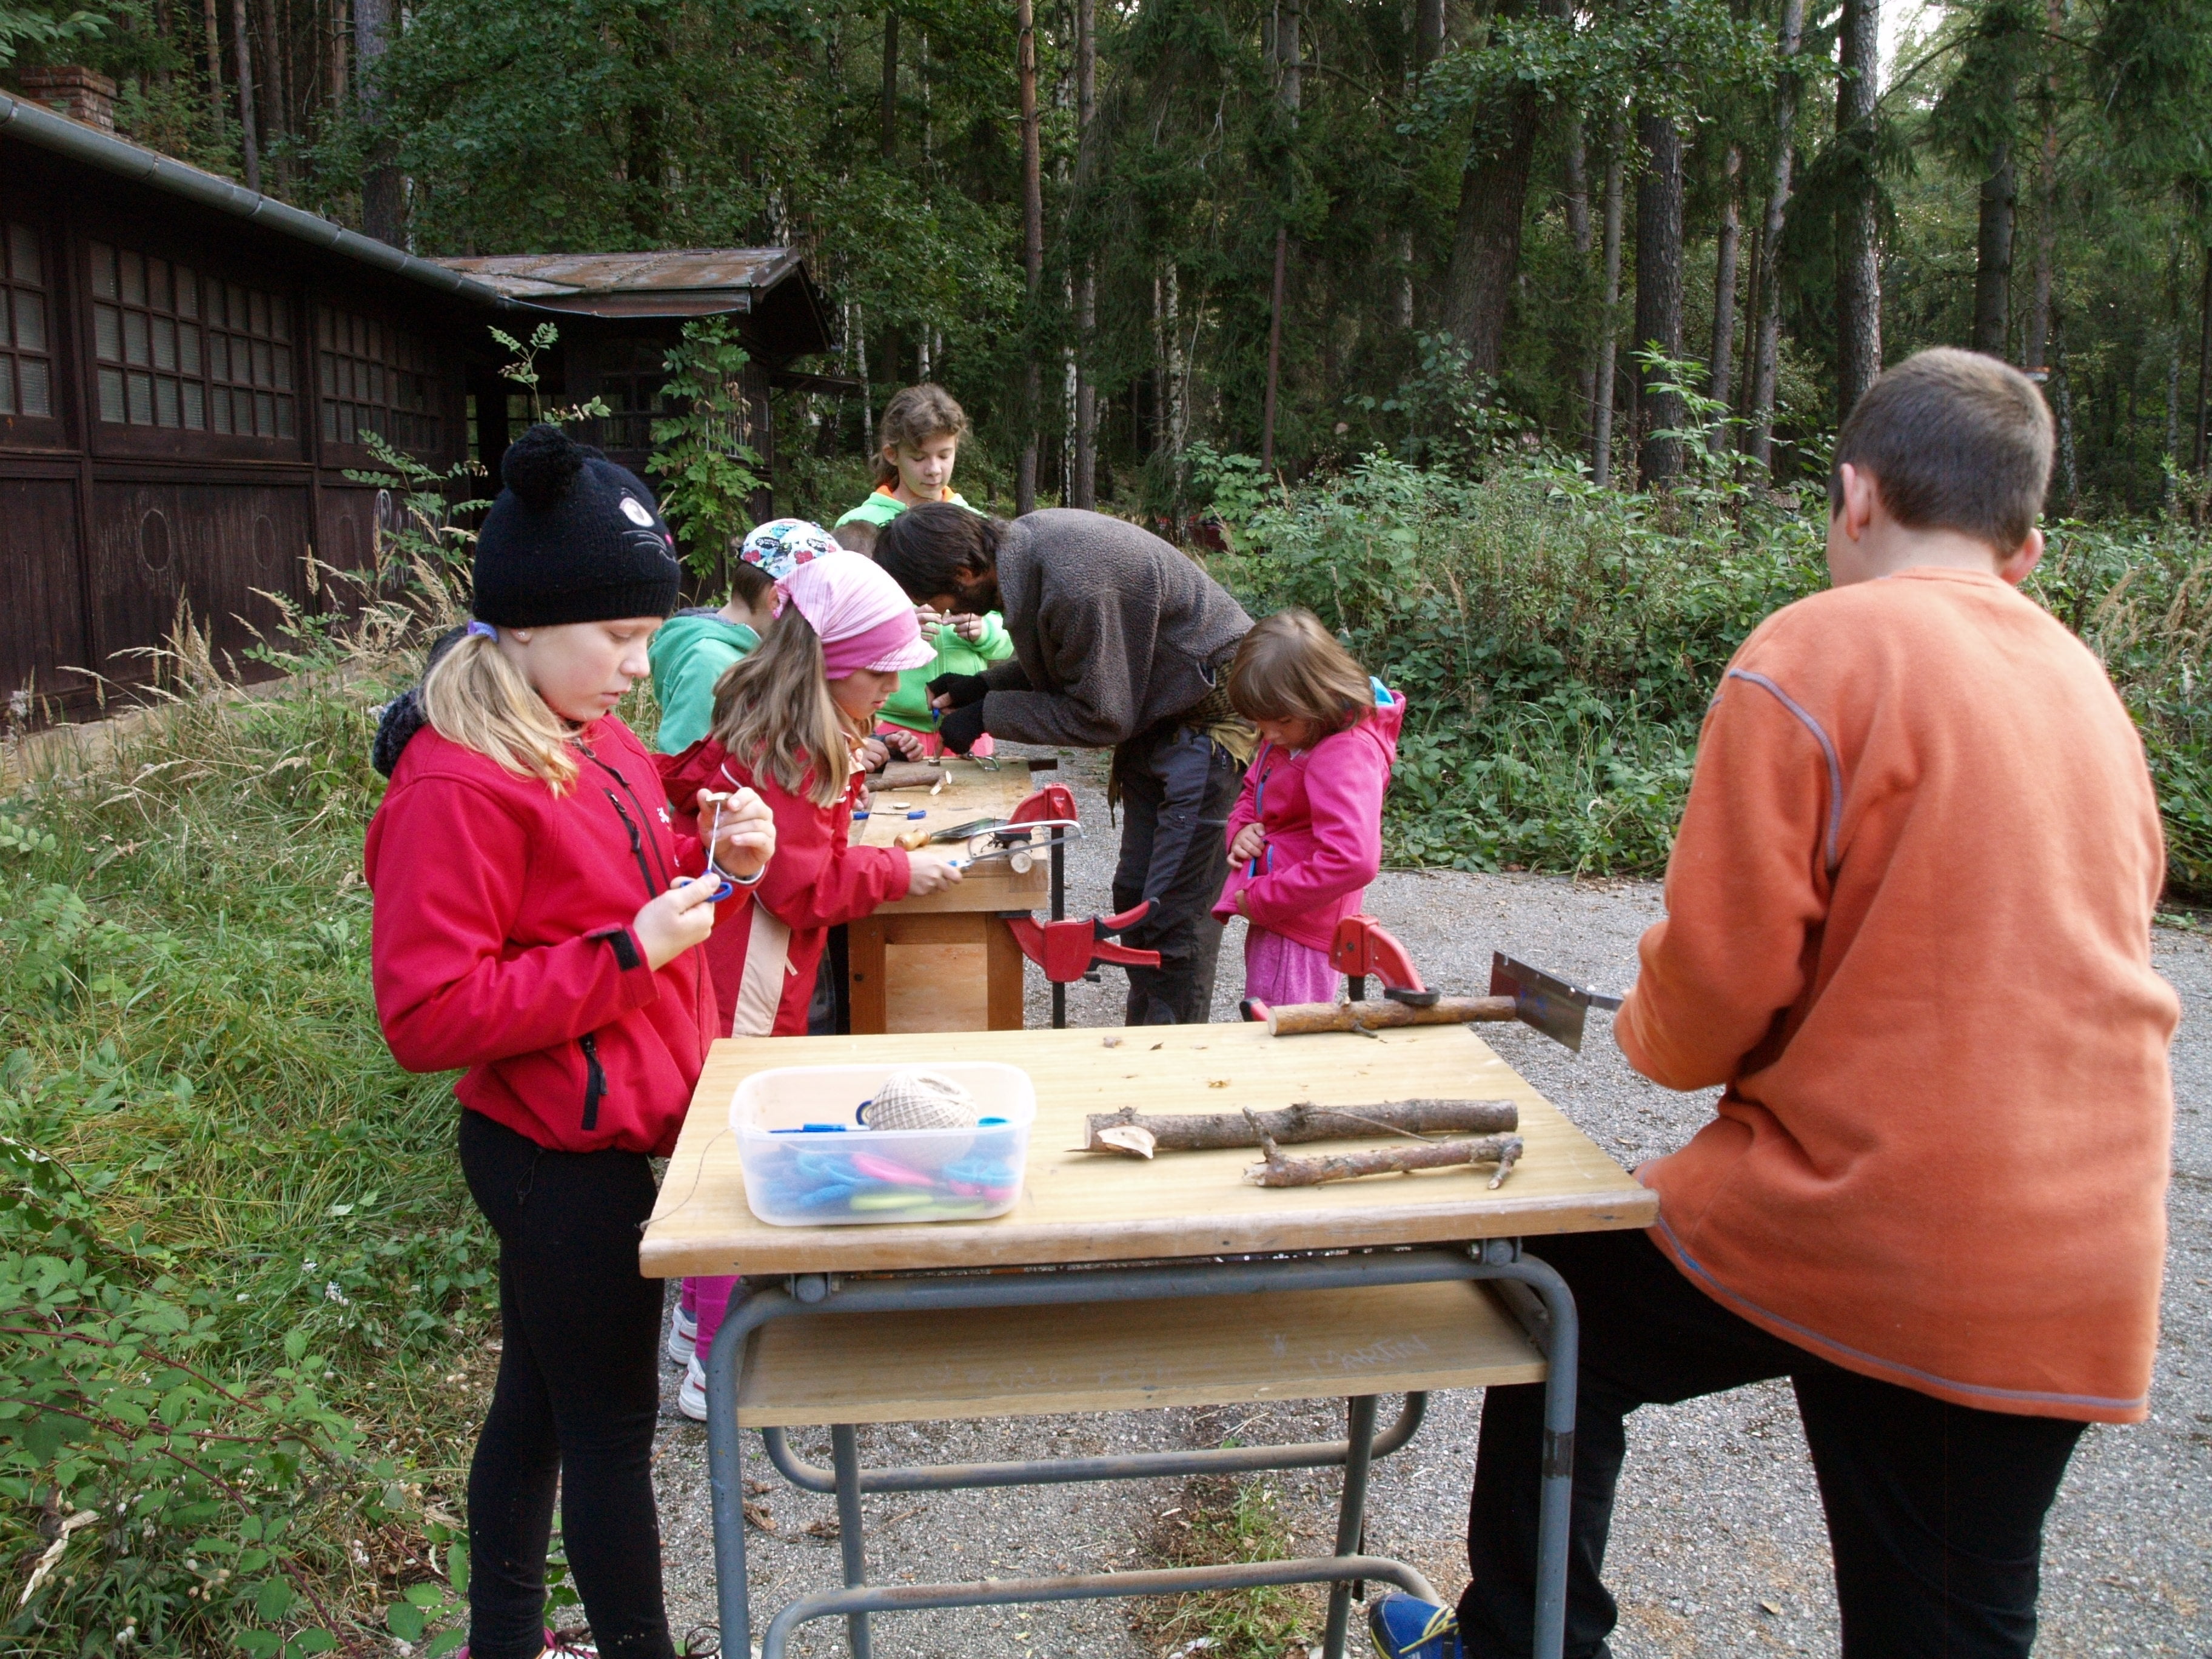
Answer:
(1302, 1018)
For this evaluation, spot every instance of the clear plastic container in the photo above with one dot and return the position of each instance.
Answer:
(809, 1163)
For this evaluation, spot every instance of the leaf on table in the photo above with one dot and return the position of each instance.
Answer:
(1128, 1138)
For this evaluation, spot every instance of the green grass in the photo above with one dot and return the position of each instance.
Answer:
(1221, 1521)
(214, 1159)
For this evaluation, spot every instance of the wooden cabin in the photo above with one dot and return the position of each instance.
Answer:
(187, 371)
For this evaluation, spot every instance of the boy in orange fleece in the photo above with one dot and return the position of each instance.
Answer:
(1908, 928)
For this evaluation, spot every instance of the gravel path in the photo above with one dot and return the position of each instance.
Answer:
(1717, 1545)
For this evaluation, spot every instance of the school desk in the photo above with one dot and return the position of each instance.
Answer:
(1095, 1293)
(946, 961)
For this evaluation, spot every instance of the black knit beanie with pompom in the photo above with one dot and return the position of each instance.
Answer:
(572, 539)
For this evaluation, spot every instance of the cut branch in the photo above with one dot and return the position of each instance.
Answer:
(1504, 1151)
(1199, 1132)
(1302, 1018)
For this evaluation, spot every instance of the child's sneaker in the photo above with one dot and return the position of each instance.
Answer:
(567, 1644)
(691, 1398)
(1405, 1627)
(683, 1337)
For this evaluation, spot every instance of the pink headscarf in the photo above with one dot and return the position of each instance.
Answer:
(863, 617)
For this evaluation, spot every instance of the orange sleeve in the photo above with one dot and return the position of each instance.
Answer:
(1748, 881)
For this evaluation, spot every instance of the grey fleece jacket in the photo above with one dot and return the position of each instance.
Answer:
(1112, 629)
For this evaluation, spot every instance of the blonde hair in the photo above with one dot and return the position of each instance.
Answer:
(774, 712)
(474, 697)
(1290, 667)
(914, 414)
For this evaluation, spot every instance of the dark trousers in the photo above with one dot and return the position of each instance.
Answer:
(577, 1398)
(1935, 1511)
(1177, 789)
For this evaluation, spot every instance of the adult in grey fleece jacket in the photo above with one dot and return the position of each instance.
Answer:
(1115, 634)
(1114, 631)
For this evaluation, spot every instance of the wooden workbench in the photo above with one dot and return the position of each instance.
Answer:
(945, 963)
(1095, 1206)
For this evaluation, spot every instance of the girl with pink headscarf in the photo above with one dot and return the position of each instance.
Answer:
(789, 721)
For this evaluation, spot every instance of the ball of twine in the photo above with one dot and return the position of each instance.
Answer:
(922, 1100)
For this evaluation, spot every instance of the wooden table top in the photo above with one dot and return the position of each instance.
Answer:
(971, 790)
(1094, 1207)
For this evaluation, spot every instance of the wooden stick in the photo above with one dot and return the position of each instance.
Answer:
(1198, 1132)
(1302, 1018)
(1504, 1151)
(909, 774)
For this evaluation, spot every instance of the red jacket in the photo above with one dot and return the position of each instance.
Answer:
(1321, 809)
(502, 942)
(763, 960)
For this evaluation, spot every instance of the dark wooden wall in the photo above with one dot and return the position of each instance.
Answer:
(107, 528)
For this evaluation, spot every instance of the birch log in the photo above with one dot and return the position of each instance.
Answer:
(1504, 1151)
(1198, 1132)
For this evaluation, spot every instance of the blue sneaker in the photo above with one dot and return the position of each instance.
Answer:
(1405, 1627)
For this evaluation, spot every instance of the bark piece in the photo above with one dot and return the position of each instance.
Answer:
(1303, 1018)
(1199, 1132)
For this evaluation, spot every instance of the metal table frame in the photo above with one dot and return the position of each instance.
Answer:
(1537, 1297)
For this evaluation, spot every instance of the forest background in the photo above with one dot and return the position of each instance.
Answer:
(1509, 337)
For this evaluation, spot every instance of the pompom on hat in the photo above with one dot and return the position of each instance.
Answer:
(782, 545)
(572, 539)
(864, 618)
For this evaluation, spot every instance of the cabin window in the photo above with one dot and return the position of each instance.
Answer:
(179, 348)
(26, 352)
(376, 378)
(627, 374)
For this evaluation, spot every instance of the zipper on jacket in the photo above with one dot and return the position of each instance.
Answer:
(595, 1079)
(636, 841)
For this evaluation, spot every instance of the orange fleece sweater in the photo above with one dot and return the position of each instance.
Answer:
(1908, 926)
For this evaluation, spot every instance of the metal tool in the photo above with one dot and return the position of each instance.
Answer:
(1014, 842)
(1362, 946)
(1554, 1006)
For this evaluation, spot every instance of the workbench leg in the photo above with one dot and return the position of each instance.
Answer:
(845, 1458)
(1562, 1347)
(1059, 913)
(1351, 1515)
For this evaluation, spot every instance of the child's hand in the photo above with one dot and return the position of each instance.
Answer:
(873, 755)
(679, 919)
(907, 744)
(1251, 841)
(968, 626)
(746, 840)
(930, 871)
(926, 619)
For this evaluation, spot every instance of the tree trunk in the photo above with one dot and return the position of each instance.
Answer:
(2197, 436)
(1485, 256)
(1858, 270)
(1721, 374)
(2068, 479)
(383, 200)
(1601, 399)
(1428, 31)
(1658, 294)
(1032, 247)
(1086, 299)
(1993, 255)
(1751, 292)
(214, 63)
(1575, 163)
(889, 114)
(336, 78)
(1766, 350)
(250, 128)
(1289, 16)
(275, 93)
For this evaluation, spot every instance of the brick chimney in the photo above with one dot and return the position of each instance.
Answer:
(81, 93)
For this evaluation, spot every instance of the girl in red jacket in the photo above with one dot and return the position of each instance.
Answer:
(790, 721)
(1306, 834)
(536, 913)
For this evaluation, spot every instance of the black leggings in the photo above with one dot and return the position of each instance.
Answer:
(577, 1399)
(1178, 788)
(1935, 1511)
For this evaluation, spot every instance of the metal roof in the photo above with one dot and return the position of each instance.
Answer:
(34, 123)
(660, 282)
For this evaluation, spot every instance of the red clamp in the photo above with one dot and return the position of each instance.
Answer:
(1361, 947)
(1066, 950)
(1054, 802)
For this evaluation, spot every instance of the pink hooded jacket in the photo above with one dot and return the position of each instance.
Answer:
(1321, 809)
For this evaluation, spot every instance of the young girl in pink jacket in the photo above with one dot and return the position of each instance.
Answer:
(1306, 835)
